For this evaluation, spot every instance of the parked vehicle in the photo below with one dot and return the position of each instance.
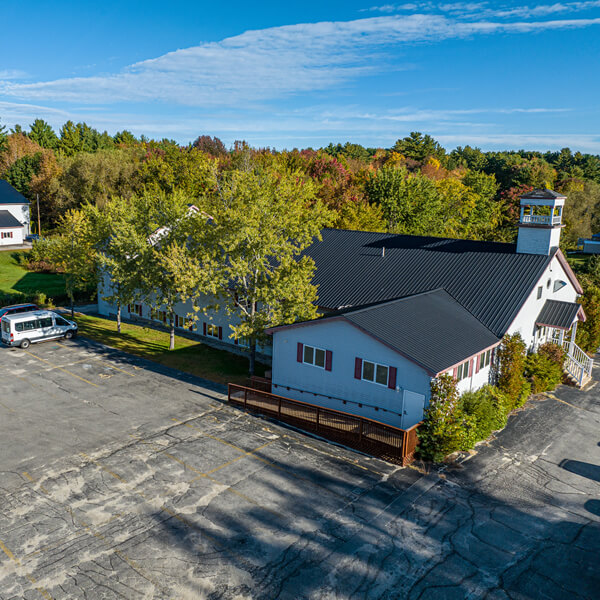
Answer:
(29, 328)
(32, 237)
(15, 309)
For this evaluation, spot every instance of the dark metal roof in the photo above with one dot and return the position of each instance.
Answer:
(8, 194)
(8, 220)
(558, 314)
(545, 194)
(431, 329)
(489, 279)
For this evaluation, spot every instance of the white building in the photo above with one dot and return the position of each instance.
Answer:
(398, 310)
(14, 215)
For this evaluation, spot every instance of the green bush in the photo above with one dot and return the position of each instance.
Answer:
(444, 429)
(488, 407)
(510, 364)
(543, 372)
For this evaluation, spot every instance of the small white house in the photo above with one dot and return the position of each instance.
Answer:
(14, 215)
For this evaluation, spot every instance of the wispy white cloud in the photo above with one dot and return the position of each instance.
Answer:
(262, 65)
(8, 74)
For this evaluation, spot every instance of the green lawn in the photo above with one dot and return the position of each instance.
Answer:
(578, 261)
(189, 355)
(15, 278)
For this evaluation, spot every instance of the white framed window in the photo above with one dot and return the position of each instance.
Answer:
(375, 373)
(485, 359)
(463, 371)
(314, 356)
(539, 292)
(212, 330)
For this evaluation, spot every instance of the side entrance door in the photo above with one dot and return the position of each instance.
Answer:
(414, 405)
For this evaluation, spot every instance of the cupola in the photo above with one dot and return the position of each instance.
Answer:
(540, 222)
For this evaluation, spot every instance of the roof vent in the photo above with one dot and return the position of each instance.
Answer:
(382, 250)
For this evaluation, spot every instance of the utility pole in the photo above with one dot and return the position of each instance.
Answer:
(37, 196)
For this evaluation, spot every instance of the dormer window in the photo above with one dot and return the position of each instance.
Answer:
(558, 285)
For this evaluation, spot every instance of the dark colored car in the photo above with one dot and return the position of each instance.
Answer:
(32, 237)
(16, 309)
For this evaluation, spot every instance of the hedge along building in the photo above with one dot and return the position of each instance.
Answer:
(410, 308)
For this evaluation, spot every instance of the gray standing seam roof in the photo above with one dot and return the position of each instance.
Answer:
(8, 194)
(431, 329)
(556, 313)
(489, 279)
(7, 220)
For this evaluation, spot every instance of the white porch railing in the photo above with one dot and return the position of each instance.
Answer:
(541, 219)
(577, 363)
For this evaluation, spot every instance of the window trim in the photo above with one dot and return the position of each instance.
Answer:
(314, 363)
(375, 365)
(540, 292)
(463, 369)
(485, 359)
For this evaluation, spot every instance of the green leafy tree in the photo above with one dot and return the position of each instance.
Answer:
(444, 428)
(22, 171)
(41, 133)
(125, 138)
(420, 147)
(588, 333)
(74, 252)
(510, 365)
(411, 203)
(262, 223)
(70, 139)
(121, 245)
(3, 138)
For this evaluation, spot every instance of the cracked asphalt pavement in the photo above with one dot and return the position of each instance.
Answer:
(123, 479)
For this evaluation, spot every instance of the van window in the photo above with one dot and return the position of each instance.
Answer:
(6, 326)
(45, 322)
(60, 321)
(25, 326)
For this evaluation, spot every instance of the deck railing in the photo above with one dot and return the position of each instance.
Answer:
(577, 363)
(388, 442)
(541, 219)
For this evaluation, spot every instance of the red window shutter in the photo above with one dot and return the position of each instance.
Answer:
(477, 360)
(299, 352)
(220, 333)
(392, 378)
(328, 359)
(455, 373)
(471, 368)
(204, 328)
(358, 368)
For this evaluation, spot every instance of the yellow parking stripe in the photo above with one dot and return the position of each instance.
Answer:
(59, 368)
(32, 579)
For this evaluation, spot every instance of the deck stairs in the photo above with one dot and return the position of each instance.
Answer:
(578, 365)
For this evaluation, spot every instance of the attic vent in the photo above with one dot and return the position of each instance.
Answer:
(558, 284)
(382, 250)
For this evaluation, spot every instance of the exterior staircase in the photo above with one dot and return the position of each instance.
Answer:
(578, 365)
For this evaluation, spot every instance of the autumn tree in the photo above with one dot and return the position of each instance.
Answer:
(262, 223)
(3, 138)
(211, 145)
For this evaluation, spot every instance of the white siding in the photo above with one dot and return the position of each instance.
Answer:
(21, 213)
(331, 388)
(16, 239)
(524, 322)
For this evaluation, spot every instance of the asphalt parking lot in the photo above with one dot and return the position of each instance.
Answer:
(122, 479)
(125, 480)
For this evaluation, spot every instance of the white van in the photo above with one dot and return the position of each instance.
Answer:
(28, 328)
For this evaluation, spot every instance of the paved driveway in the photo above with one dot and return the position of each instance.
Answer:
(122, 480)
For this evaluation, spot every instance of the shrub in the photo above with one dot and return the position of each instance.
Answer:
(554, 352)
(510, 364)
(588, 333)
(543, 372)
(444, 429)
(488, 407)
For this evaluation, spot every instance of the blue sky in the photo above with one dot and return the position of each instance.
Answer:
(493, 75)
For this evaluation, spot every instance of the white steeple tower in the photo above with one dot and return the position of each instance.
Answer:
(540, 222)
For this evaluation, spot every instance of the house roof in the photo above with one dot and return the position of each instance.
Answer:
(545, 194)
(8, 194)
(431, 329)
(561, 315)
(7, 220)
(489, 279)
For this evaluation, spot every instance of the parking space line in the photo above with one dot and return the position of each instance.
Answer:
(171, 512)
(270, 463)
(82, 524)
(32, 579)
(59, 368)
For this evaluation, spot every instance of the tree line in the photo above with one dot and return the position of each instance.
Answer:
(414, 187)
